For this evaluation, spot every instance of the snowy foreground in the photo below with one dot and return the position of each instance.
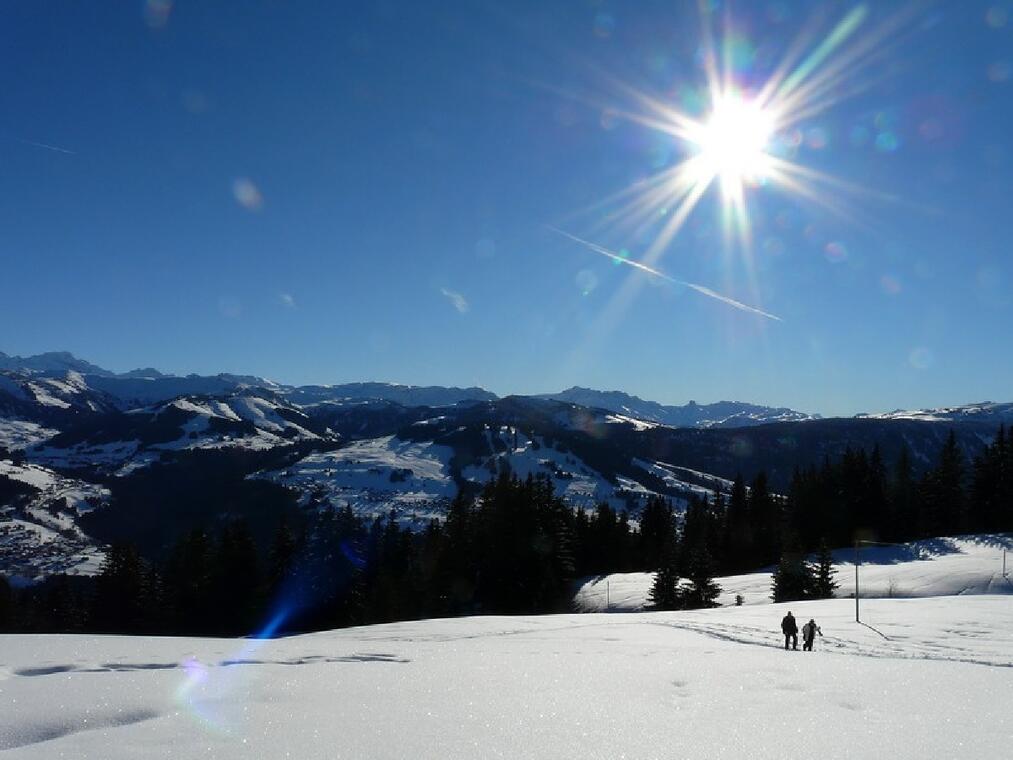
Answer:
(933, 680)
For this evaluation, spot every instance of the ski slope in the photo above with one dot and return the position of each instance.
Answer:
(935, 567)
(711, 684)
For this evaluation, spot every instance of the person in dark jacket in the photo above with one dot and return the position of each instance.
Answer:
(790, 630)
(809, 631)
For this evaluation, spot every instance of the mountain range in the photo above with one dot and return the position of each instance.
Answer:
(89, 456)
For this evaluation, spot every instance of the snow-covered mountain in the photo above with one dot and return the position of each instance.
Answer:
(52, 361)
(171, 452)
(986, 411)
(57, 401)
(252, 419)
(719, 414)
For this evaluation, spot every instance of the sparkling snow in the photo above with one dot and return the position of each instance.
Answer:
(712, 684)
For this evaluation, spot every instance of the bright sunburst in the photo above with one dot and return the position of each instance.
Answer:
(734, 141)
(745, 136)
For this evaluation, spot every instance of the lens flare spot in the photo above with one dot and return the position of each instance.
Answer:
(887, 142)
(247, 194)
(604, 25)
(587, 282)
(835, 252)
(156, 13)
(999, 71)
(890, 284)
(921, 358)
(996, 17)
(817, 138)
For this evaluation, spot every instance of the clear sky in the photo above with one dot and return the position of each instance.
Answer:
(328, 192)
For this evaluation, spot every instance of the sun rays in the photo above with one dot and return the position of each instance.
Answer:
(743, 140)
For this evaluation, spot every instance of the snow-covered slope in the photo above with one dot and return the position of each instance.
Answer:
(59, 398)
(935, 683)
(39, 535)
(417, 478)
(252, 419)
(987, 411)
(719, 414)
(964, 565)
(375, 477)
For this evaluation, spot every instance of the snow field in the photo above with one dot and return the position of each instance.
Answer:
(711, 684)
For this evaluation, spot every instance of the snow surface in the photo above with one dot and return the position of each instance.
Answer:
(39, 534)
(712, 684)
(414, 479)
(936, 567)
(376, 476)
(22, 434)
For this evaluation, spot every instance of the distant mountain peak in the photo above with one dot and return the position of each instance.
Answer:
(692, 414)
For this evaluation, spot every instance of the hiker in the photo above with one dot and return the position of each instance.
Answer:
(809, 631)
(790, 630)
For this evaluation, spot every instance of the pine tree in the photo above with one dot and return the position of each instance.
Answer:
(702, 591)
(657, 530)
(121, 601)
(665, 593)
(6, 605)
(942, 495)
(823, 574)
(235, 579)
(765, 520)
(738, 551)
(792, 578)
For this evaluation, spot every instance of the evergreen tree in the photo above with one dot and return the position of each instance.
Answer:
(6, 605)
(665, 593)
(235, 579)
(986, 506)
(765, 522)
(942, 495)
(738, 543)
(657, 531)
(902, 500)
(281, 557)
(189, 574)
(121, 603)
(792, 578)
(702, 591)
(823, 574)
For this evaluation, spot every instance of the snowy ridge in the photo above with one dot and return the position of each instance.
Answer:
(986, 411)
(716, 415)
(250, 420)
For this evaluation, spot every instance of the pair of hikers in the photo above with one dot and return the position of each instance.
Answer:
(790, 630)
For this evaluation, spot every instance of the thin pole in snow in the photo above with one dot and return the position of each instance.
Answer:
(1003, 563)
(607, 602)
(857, 560)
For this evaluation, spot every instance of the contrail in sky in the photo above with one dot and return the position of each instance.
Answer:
(644, 268)
(57, 148)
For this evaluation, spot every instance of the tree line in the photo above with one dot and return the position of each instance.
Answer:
(517, 548)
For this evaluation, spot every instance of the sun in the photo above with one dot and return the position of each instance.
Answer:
(735, 140)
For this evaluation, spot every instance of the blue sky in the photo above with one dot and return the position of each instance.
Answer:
(316, 192)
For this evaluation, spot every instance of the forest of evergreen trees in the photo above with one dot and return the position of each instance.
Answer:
(517, 548)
